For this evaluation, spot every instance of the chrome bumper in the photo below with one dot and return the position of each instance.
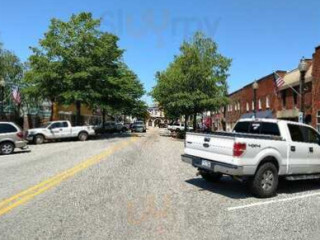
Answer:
(215, 166)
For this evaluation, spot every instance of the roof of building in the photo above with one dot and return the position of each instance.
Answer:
(258, 80)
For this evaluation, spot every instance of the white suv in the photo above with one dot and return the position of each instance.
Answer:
(11, 137)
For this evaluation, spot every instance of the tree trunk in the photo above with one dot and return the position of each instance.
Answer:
(52, 110)
(195, 121)
(103, 117)
(78, 113)
(185, 122)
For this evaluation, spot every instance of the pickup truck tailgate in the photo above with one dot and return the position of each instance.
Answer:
(212, 147)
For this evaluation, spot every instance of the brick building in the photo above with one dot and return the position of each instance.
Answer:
(270, 103)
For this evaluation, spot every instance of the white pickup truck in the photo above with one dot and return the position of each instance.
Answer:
(58, 130)
(258, 150)
(178, 127)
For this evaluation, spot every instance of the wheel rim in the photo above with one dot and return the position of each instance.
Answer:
(7, 148)
(267, 180)
(83, 137)
(39, 139)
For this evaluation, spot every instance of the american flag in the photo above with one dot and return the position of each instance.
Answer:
(278, 80)
(16, 94)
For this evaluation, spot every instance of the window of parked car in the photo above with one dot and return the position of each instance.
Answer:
(7, 128)
(242, 127)
(65, 124)
(56, 125)
(270, 129)
(265, 128)
(303, 134)
(255, 127)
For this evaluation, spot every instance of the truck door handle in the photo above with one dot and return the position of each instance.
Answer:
(206, 145)
(293, 148)
(311, 149)
(207, 139)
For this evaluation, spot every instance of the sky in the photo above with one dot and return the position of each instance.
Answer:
(260, 36)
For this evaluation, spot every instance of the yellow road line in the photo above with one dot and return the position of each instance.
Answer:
(10, 203)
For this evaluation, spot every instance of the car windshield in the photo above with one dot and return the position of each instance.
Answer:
(45, 125)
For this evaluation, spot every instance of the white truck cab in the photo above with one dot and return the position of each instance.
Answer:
(259, 150)
(59, 130)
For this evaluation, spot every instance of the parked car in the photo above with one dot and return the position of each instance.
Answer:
(178, 127)
(110, 127)
(11, 137)
(259, 151)
(59, 130)
(138, 126)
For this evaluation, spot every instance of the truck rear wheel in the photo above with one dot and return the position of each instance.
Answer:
(264, 184)
(210, 177)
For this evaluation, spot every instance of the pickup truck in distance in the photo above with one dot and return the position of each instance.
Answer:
(258, 151)
(58, 130)
(177, 127)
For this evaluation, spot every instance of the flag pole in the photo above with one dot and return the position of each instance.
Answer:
(290, 87)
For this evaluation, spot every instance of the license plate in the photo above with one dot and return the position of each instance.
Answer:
(206, 163)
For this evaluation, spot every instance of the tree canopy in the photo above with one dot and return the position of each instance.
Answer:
(77, 62)
(196, 80)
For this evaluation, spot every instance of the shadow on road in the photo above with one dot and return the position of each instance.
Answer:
(98, 137)
(234, 189)
(226, 186)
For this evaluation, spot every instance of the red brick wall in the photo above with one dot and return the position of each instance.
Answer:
(244, 95)
(316, 85)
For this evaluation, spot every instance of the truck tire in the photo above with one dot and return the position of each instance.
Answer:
(83, 136)
(210, 177)
(6, 148)
(264, 184)
(38, 139)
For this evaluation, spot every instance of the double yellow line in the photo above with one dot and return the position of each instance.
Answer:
(8, 204)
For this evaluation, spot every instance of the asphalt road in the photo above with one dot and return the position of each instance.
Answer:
(136, 187)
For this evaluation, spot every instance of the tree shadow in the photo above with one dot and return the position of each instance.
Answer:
(98, 137)
(240, 190)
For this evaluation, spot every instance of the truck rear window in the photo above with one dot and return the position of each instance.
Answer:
(242, 127)
(265, 128)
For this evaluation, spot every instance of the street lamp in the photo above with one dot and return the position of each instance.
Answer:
(255, 87)
(303, 67)
(2, 85)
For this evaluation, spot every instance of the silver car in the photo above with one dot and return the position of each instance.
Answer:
(11, 137)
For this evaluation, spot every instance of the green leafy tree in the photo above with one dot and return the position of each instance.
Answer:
(196, 81)
(11, 71)
(74, 61)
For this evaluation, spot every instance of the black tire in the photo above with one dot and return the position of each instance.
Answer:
(38, 139)
(6, 148)
(83, 136)
(210, 177)
(264, 184)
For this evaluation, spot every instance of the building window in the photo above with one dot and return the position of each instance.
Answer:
(247, 107)
(318, 121)
(253, 107)
(284, 98)
(235, 107)
(239, 106)
(259, 102)
(267, 102)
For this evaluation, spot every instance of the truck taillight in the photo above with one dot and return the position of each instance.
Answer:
(20, 134)
(238, 149)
